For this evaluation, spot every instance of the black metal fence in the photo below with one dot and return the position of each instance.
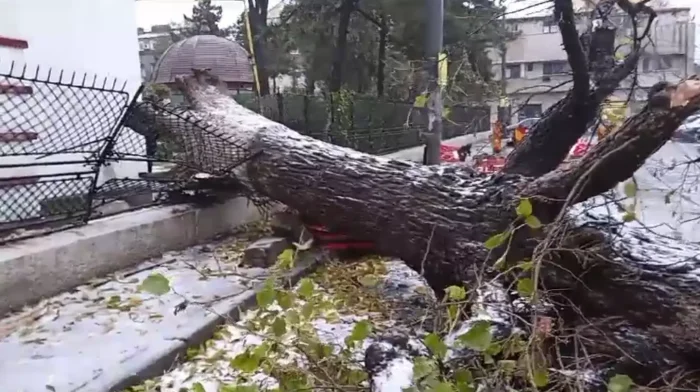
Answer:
(74, 148)
(371, 125)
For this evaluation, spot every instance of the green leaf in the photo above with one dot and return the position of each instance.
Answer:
(306, 288)
(464, 375)
(435, 345)
(369, 280)
(279, 326)
(508, 366)
(285, 299)
(307, 310)
(525, 265)
(496, 240)
(198, 387)
(266, 296)
(446, 111)
(453, 311)
(246, 362)
(533, 222)
(629, 216)
(456, 293)
(423, 367)
(155, 284)
(630, 188)
(540, 377)
(464, 380)
(360, 332)
(526, 287)
(478, 337)
(500, 264)
(421, 101)
(286, 259)
(620, 383)
(443, 387)
(524, 208)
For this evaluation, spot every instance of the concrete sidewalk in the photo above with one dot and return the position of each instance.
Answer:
(108, 336)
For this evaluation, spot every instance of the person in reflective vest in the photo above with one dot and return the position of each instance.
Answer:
(519, 134)
(497, 136)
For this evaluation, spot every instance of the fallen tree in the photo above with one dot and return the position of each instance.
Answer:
(630, 299)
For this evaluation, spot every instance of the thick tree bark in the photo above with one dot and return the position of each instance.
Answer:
(437, 218)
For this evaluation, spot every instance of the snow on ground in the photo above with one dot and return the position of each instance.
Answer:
(90, 337)
(383, 302)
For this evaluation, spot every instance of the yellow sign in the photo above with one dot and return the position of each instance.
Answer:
(442, 69)
(613, 114)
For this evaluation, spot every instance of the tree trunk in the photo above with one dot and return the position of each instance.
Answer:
(341, 44)
(437, 219)
(258, 25)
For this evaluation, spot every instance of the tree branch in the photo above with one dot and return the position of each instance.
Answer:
(564, 13)
(625, 150)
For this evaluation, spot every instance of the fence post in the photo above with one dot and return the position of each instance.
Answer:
(306, 114)
(280, 107)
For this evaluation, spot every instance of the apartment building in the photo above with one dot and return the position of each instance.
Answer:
(538, 73)
(152, 44)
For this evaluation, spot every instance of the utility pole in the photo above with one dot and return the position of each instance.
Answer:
(433, 49)
(503, 102)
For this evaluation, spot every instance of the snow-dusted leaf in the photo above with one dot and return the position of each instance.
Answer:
(435, 345)
(533, 222)
(620, 383)
(456, 293)
(524, 208)
(155, 284)
(478, 337)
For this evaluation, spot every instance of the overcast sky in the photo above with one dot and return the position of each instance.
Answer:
(151, 12)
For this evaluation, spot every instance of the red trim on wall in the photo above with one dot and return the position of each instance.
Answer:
(10, 182)
(13, 43)
(9, 137)
(15, 89)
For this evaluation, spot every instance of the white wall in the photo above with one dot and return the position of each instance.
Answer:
(88, 37)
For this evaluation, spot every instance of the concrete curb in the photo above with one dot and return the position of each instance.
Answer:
(203, 332)
(41, 267)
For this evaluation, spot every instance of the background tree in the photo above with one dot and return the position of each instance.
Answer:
(312, 28)
(205, 19)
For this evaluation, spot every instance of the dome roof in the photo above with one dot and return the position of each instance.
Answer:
(222, 57)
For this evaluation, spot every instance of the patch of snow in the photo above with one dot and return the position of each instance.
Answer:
(397, 376)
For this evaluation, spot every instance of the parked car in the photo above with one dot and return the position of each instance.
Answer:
(689, 131)
(527, 123)
(584, 143)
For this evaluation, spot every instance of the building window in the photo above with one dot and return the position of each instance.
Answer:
(530, 67)
(550, 28)
(658, 63)
(513, 71)
(555, 67)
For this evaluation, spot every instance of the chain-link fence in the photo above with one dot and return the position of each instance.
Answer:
(371, 125)
(74, 148)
